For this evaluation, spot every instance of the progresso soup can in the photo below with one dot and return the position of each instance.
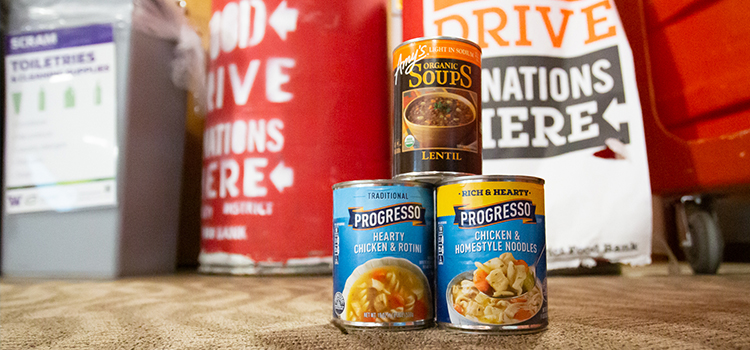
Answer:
(437, 109)
(383, 234)
(491, 263)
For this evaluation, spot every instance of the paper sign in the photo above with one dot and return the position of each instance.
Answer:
(61, 144)
(560, 101)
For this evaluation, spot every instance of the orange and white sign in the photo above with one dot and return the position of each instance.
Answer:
(560, 102)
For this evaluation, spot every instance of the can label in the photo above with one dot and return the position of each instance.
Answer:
(437, 107)
(491, 264)
(383, 256)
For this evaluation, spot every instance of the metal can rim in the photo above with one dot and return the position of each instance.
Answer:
(433, 177)
(381, 182)
(442, 37)
(496, 330)
(492, 178)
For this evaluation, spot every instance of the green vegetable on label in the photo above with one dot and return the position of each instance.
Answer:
(529, 282)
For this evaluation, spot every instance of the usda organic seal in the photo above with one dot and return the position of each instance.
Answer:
(409, 141)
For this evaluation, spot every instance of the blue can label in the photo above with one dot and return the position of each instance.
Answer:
(383, 254)
(491, 262)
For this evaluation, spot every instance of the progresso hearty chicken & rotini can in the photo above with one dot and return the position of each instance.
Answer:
(383, 234)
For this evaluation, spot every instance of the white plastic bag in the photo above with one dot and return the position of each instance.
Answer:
(165, 20)
(559, 101)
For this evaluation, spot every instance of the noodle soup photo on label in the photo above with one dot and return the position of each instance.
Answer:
(386, 290)
(508, 294)
(383, 235)
(491, 262)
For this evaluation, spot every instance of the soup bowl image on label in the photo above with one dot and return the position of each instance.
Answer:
(508, 294)
(491, 262)
(441, 119)
(387, 290)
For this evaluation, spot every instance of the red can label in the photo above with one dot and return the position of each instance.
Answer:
(286, 120)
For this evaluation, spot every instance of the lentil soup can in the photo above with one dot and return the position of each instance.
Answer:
(437, 109)
(383, 254)
(491, 263)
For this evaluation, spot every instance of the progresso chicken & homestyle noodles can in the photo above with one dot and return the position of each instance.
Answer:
(437, 109)
(491, 271)
(383, 234)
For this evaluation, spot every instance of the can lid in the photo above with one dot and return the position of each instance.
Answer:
(429, 38)
(381, 182)
(492, 178)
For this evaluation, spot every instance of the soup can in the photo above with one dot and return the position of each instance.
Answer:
(491, 264)
(283, 124)
(437, 109)
(383, 254)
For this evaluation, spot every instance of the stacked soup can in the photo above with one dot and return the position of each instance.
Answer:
(439, 242)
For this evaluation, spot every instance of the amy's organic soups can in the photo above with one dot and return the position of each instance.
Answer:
(491, 265)
(383, 234)
(437, 109)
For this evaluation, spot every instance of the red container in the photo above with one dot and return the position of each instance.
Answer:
(691, 65)
(299, 100)
(694, 82)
